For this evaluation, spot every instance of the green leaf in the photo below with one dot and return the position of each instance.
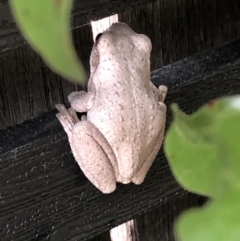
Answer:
(227, 138)
(203, 150)
(46, 26)
(217, 221)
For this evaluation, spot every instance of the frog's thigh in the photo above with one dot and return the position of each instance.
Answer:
(141, 174)
(88, 146)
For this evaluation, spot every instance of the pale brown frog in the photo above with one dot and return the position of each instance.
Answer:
(123, 131)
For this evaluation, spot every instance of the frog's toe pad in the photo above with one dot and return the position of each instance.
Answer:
(163, 92)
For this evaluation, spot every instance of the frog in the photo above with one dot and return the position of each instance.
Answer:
(122, 130)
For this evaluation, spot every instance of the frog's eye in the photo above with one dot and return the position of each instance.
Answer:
(98, 37)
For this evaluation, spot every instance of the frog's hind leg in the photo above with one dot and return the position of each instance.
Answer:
(95, 156)
(159, 92)
(91, 150)
(162, 92)
(67, 117)
(141, 174)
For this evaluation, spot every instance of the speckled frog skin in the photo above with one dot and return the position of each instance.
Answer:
(123, 131)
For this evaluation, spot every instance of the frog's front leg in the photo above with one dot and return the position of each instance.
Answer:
(81, 101)
(91, 150)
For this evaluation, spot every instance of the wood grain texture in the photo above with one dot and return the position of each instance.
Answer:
(45, 196)
(28, 87)
(82, 13)
(157, 225)
(181, 28)
(177, 28)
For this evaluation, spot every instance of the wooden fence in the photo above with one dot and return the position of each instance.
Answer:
(43, 194)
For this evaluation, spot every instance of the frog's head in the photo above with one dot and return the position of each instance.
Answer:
(121, 48)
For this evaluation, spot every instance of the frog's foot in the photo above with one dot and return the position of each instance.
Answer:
(67, 117)
(159, 92)
(162, 92)
(141, 174)
(123, 180)
(95, 156)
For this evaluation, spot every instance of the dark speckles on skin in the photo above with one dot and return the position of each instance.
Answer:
(116, 94)
(118, 85)
(120, 106)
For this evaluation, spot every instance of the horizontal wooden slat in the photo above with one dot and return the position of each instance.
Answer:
(45, 196)
(83, 12)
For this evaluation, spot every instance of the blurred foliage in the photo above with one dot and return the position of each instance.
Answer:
(203, 150)
(46, 26)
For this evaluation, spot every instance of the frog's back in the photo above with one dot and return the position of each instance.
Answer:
(131, 124)
(125, 110)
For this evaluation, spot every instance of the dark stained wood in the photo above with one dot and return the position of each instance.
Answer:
(157, 225)
(45, 195)
(102, 237)
(181, 28)
(83, 12)
(177, 28)
(28, 87)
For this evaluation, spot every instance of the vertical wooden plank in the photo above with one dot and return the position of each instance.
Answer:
(101, 25)
(28, 87)
(127, 231)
